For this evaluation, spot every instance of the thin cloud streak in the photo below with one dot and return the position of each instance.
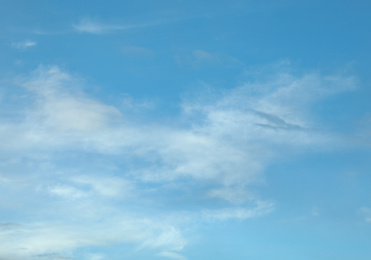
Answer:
(262, 208)
(24, 45)
(35, 239)
(87, 25)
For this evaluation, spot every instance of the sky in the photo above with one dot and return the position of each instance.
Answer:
(175, 129)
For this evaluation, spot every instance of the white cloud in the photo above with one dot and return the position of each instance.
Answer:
(230, 139)
(105, 186)
(35, 239)
(262, 208)
(235, 195)
(315, 212)
(172, 255)
(87, 25)
(63, 111)
(137, 51)
(53, 256)
(67, 192)
(96, 257)
(223, 126)
(58, 116)
(367, 213)
(222, 146)
(23, 45)
(171, 237)
(201, 57)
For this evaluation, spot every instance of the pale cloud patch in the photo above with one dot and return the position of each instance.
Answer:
(232, 139)
(62, 110)
(232, 133)
(67, 192)
(105, 186)
(86, 187)
(132, 105)
(367, 213)
(137, 51)
(171, 237)
(204, 56)
(262, 208)
(30, 240)
(53, 257)
(87, 25)
(235, 195)
(315, 212)
(23, 45)
(172, 255)
(199, 58)
(223, 145)
(58, 115)
(95, 257)
(4, 180)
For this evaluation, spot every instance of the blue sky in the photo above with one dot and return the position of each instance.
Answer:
(185, 130)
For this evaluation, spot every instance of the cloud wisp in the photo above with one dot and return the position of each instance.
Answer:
(24, 45)
(87, 25)
(367, 213)
(95, 177)
(199, 58)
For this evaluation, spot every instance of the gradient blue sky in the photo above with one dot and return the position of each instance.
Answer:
(185, 130)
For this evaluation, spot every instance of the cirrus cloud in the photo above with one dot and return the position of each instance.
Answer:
(96, 178)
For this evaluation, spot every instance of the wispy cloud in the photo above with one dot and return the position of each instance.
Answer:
(36, 239)
(198, 58)
(262, 208)
(172, 255)
(137, 51)
(67, 192)
(53, 256)
(367, 213)
(23, 45)
(84, 158)
(96, 257)
(228, 139)
(87, 25)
